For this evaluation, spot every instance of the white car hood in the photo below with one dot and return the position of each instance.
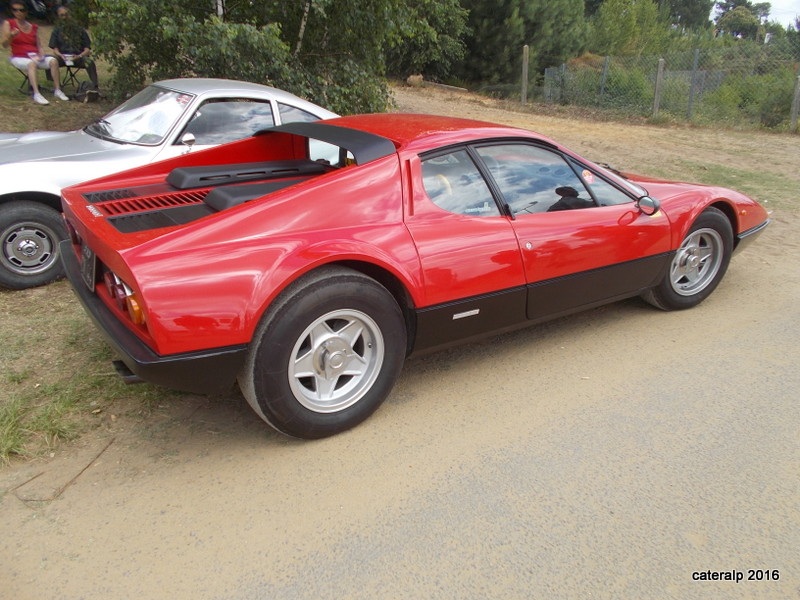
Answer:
(47, 162)
(73, 145)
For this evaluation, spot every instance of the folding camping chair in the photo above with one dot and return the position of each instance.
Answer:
(71, 78)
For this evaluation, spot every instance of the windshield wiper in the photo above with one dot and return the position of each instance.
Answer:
(101, 128)
(103, 122)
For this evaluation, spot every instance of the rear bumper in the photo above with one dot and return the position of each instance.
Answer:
(744, 239)
(201, 372)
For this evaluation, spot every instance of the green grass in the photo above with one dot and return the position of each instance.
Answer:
(751, 182)
(21, 114)
(57, 380)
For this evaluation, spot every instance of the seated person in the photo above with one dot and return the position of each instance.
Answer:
(71, 40)
(569, 200)
(26, 55)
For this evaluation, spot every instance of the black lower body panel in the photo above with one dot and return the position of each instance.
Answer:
(202, 372)
(746, 238)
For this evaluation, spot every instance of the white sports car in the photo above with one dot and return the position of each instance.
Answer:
(164, 120)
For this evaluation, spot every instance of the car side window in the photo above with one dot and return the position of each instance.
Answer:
(605, 193)
(292, 114)
(226, 120)
(454, 183)
(534, 180)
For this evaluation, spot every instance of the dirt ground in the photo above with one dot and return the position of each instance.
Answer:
(615, 453)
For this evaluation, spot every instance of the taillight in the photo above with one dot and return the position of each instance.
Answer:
(124, 297)
(116, 289)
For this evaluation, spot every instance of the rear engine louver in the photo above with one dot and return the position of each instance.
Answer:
(94, 197)
(134, 212)
(126, 206)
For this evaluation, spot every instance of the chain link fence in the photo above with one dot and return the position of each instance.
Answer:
(746, 86)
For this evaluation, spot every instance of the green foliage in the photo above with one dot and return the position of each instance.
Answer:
(555, 30)
(630, 27)
(739, 22)
(759, 10)
(431, 41)
(627, 87)
(690, 14)
(328, 52)
(762, 99)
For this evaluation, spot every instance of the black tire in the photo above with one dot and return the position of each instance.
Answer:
(29, 236)
(698, 265)
(325, 355)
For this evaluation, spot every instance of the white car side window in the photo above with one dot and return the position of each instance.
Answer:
(229, 119)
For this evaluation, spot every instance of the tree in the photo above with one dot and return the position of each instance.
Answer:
(739, 22)
(329, 52)
(431, 41)
(553, 29)
(760, 10)
(629, 27)
(690, 14)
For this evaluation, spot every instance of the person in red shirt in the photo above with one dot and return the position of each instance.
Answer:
(26, 54)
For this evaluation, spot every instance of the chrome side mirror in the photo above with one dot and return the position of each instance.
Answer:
(648, 206)
(188, 139)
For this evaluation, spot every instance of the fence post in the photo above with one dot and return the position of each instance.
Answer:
(659, 85)
(693, 87)
(603, 77)
(525, 74)
(795, 106)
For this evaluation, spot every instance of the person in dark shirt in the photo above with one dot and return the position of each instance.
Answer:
(71, 44)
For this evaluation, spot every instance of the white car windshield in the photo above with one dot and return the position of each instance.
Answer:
(146, 118)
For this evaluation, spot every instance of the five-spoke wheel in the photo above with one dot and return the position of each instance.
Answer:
(326, 353)
(698, 265)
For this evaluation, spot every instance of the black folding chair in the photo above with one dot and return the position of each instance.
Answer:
(24, 85)
(71, 77)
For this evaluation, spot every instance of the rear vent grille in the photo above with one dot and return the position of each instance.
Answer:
(95, 197)
(128, 205)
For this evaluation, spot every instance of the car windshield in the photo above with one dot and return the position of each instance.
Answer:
(146, 118)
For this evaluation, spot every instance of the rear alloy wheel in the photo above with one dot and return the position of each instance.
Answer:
(326, 354)
(698, 265)
(29, 236)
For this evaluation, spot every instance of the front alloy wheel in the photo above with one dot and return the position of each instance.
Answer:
(697, 262)
(698, 265)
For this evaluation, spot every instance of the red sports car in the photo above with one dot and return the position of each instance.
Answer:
(309, 260)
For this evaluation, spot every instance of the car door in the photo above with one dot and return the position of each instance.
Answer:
(583, 240)
(469, 256)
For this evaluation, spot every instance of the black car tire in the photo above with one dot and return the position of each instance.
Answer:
(698, 265)
(29, 236)
(325, 355)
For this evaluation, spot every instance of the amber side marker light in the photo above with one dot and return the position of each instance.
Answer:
(135, 311)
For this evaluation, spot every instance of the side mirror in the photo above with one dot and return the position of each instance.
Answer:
(188, 139)
(648, 206)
